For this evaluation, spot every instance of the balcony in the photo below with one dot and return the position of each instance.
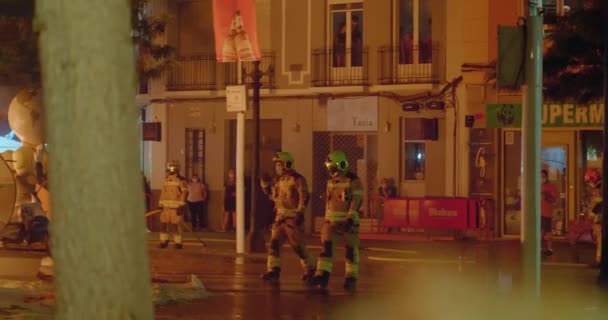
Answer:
(200, 72)
(339, 67)
(407, 64)
(196, 72)
(267, 66)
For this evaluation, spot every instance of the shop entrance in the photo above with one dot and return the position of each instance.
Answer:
(362, 153)
(558, 164)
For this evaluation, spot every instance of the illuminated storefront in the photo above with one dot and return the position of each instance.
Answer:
(571, 144)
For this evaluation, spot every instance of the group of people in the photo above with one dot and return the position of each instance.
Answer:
(289, 191)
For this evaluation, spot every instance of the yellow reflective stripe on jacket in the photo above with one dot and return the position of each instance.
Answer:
(171, 203)
(357, 192)
(340, 185)
(336, 215)
(172, 183)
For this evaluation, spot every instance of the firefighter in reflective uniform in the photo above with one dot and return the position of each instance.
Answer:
(289, 192)
(172, 201)
(344, 192)
(593, 179)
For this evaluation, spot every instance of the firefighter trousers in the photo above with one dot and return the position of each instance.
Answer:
(171, 222)
(330, 233)
(283, 230)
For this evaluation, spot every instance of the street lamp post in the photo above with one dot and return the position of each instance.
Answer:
(256, 241)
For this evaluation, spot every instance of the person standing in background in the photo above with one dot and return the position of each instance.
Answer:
(549, 198)
(197, 196)
(386, 190)
(229, 201)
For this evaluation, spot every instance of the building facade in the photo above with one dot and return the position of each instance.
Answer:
(571, 136)
(380, 80)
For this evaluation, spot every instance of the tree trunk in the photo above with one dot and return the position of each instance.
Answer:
(98, 235)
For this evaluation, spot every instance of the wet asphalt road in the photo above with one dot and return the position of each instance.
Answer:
(441, 280)
(399, 280)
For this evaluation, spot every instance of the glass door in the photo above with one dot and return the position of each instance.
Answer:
(554, 187)
(346, 36)
(558, 166)
(557, 171)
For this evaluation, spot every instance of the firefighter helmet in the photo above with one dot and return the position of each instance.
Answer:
(284, 157)
(173, 166)
(336, 163)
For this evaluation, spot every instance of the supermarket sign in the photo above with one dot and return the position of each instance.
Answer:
(505, 115)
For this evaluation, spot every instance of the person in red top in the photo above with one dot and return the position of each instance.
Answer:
(549, 197)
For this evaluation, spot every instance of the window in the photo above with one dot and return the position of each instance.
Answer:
(561, 7)
(416, 132)
(195, 153)
(421, 129)
(415, 31)
(346, 21)
(414, 156)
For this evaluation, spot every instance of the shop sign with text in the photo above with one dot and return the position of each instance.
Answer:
(352, 114)
(506, 115)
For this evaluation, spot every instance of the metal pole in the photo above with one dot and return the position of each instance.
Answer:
(531, 142)
(240, 174)
(256, 237)
(603, 277)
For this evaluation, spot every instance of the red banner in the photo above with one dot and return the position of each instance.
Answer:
(445, 213)
(235, 28)
(395, 213)
(437, 213)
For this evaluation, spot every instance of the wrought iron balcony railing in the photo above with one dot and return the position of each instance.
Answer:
(408, 63)
(196, 72)
(339, 67)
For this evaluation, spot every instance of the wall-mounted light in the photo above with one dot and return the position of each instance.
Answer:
(213, 128)
(387, 126)
(296, 127)
(411, 106)
(436, 105)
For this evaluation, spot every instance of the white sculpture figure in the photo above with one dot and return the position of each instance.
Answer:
(30, 160)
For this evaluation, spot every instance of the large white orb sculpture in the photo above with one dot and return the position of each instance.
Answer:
(26, 118)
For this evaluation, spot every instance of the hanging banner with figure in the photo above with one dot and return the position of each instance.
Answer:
(235, 28)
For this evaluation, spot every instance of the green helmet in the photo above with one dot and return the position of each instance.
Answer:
(286, 158)
(336, 163)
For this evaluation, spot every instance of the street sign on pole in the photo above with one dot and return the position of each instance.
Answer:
(236, 98)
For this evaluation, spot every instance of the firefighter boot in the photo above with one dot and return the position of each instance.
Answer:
(350, 284)
(309, 276)
(163, 244)
(321, 280)
(273, 275)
